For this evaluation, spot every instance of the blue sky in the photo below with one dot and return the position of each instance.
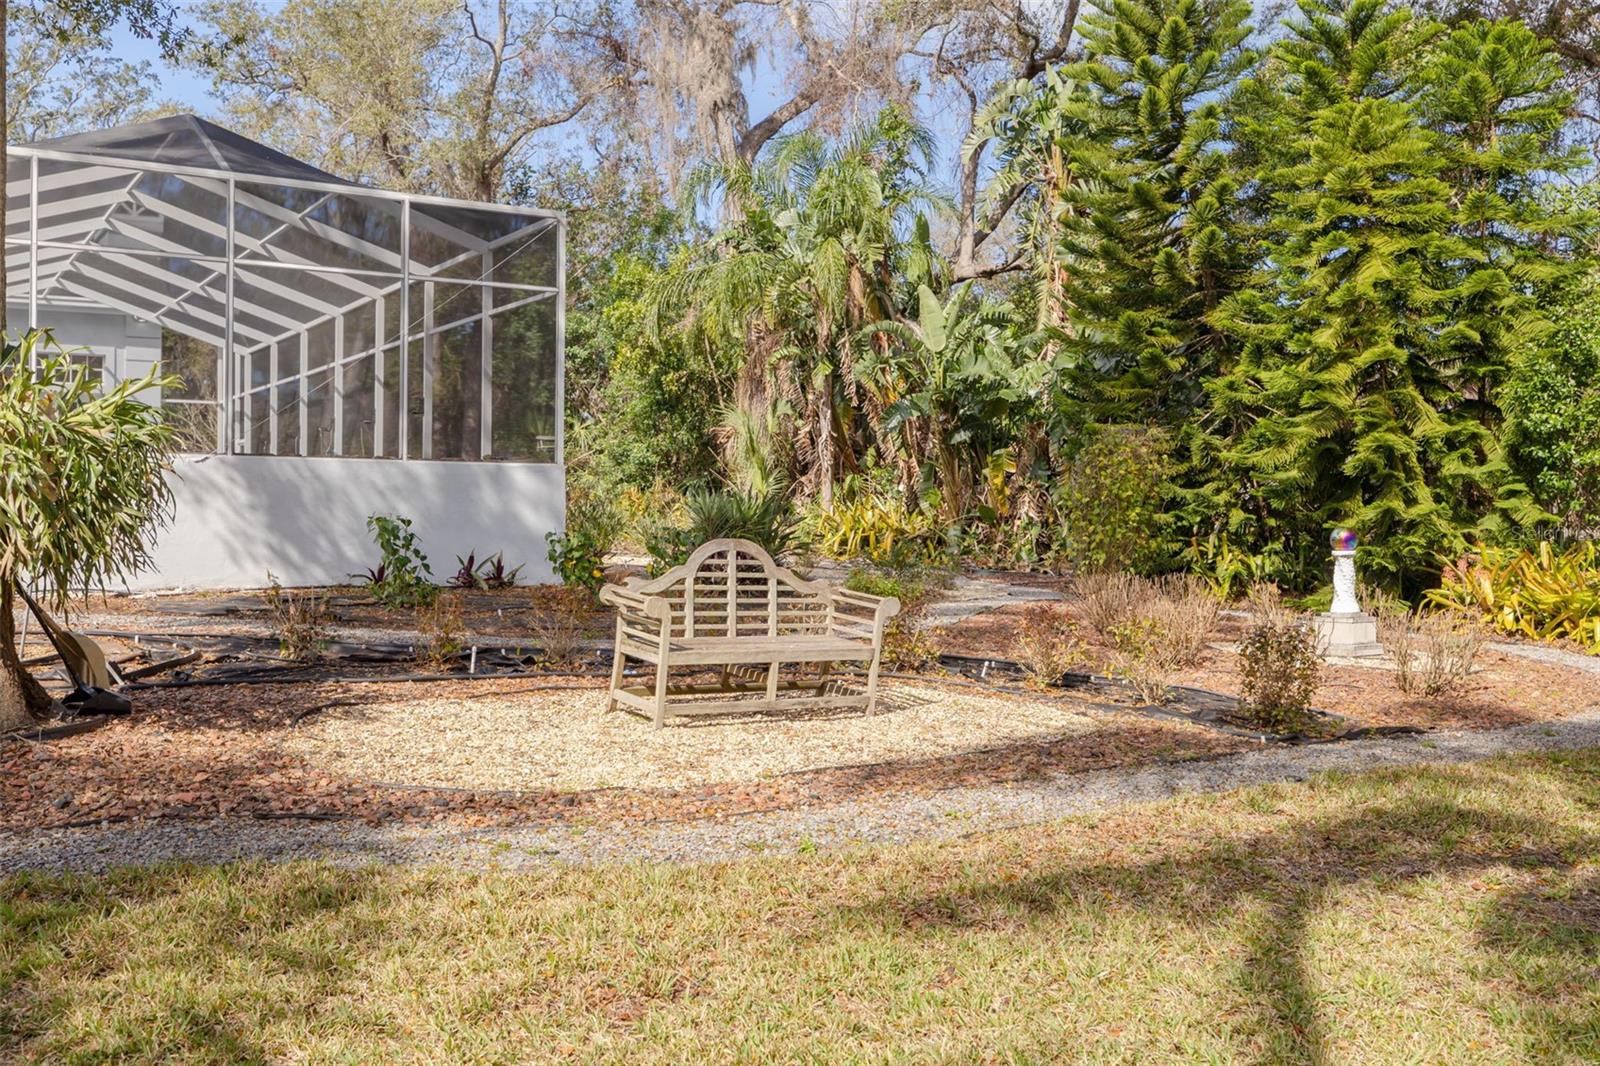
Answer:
(187, 88)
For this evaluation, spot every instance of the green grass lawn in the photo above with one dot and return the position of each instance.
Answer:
(1433, 916)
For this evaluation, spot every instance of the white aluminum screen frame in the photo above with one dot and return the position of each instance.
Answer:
(233, 387)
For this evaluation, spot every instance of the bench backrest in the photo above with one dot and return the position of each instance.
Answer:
(733, 588)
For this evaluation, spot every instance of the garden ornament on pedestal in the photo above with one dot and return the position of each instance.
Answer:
(1345, 631)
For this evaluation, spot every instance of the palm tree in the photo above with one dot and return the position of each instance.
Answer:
(826, 234)
(84, 489)
(951, 385)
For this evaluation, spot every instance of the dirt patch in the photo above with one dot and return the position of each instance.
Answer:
(1504, 690)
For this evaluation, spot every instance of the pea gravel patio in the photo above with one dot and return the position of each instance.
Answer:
(946, 814)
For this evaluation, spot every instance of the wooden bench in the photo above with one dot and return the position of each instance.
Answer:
(732, 607)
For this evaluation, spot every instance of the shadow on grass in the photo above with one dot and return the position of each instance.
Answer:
(1285, 879)
(270, 922)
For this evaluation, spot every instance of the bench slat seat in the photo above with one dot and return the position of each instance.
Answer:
(731, 605)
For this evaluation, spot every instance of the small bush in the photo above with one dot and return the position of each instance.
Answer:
(402, 577)
(1186, 610)
(1433, 653)
(1109, 600)
(1144, 657)
(715, 514)
(1264, 601)
(579, 553)
(560, 622)
(299, 620)
(1047, 643)
(1279, 669)
(1109, 504)
(442, 633)
(879, 529)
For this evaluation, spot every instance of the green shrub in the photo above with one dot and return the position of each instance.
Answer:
(579, 553)
(877, 528)
(1543, 593)
(402, 577)
(906, 640)
(717, 514)
(1551, 401)
(1278, 671)
(1109, 504)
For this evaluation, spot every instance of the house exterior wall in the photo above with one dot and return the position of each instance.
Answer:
(303, 519)
(127, 347)
(238, 517)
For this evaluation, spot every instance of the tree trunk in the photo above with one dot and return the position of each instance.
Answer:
(23, 701)
(5, 139)
(825, 443)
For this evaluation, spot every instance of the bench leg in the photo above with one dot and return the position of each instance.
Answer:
(772, 682)
(616, 669)
(660, 716)
(872, 686)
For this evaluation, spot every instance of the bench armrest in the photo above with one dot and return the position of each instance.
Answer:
(633, 604)
(861, 614)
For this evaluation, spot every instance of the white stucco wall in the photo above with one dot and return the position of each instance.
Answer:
(305, 519)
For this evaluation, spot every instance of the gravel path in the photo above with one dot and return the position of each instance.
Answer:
(890, 819)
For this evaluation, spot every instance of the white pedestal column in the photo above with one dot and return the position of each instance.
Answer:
(1345, 631)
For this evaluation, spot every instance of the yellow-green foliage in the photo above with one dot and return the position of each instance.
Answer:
(1545, 593)
(875, 528)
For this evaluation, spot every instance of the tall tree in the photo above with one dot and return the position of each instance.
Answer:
(827, 234)
(430, 96)
(80, 19)
(66, 79)
(1407, 254)
(1155, 246)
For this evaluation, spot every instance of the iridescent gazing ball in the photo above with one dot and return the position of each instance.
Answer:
(1343, 540)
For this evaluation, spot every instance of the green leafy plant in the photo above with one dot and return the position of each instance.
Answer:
(907, 642)
(402, 577)
(1544, 593)
(579, 553)
(1279, 670)
(299, 620)
(715, 514)
(82, 488)
(1109, 504)
(878, 529)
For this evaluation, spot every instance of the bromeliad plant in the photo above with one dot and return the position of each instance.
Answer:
(488, 575)
(82, 488)
(1544, 593)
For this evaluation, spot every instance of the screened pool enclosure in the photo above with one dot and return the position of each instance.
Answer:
(306, 318)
